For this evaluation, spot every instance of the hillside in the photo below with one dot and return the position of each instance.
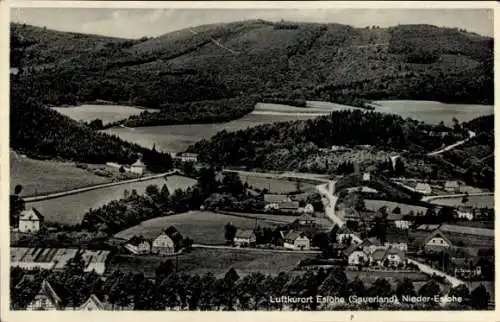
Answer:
(230, 61)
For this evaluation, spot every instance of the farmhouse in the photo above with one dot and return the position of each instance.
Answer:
(273, 201)
(395, 257)
(46, 299)
(138, 245)
(465, 213)
(30, 221)
(163, 245)
(423, 188)
(437, 241)
(296, 240)
(244, 238)
(138, 167)
(452, 186)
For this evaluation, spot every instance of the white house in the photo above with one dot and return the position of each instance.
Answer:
(452, 186)
(296, 240)
(30, 221)
(163, 245)
(138, 245)
(244, 238)
(398, 221)
(397, 242)
(138, 167)
(423, 188)
(395, 257)
(309, 209)
(372, 244)
(46, 299)
(465, 213)
(437, 240)
(187, 157)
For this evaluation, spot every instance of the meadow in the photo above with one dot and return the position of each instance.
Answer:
(106, 113)
(40, 177)
(202, 226)
(70, 209)
(432, 112)
(216, 261)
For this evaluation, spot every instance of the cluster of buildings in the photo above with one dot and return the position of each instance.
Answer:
(168, 242)
(298, 237)
(56, 258)
(283, 203)
(185, 157)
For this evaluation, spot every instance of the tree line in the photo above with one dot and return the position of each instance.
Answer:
(177, 290)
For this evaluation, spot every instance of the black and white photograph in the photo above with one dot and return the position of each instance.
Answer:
(259, 158)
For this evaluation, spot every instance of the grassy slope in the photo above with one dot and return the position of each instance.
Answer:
(202, 227)
(39, 177)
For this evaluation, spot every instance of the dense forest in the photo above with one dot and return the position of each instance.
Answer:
(173, 289)
(209, 68)
(272, 146)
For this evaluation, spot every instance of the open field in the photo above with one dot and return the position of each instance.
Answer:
(321, 221)
(70, 209)
(375, 205)
(177, 138)
(432, 112)
(202, 226)
(40, 177)
(392, 277)
(106, 113)
(216, 261)
(274, 185)
(474, 201)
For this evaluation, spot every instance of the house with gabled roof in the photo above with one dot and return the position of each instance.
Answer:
(163, 245)
(437, 240)
(92, 304)
(138, 167)
(369, 245)
(46, 299)
(296, 240)
(344, 234)
(452, 186)
(423, 188)
(138, 245)
(244, 237)
(30, 221)
(356, 256)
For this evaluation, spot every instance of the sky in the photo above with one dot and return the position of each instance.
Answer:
(136, 23)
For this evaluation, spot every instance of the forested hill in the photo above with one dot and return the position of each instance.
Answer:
(229, 61)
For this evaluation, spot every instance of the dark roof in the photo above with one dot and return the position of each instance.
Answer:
(393, 217)
(292, 235)
(33, 214)
(136, 241)
(372, 241)
(395, 251)
(174, 234)
(397, 238)
(246, 233)
(379, 254)
(344, 230)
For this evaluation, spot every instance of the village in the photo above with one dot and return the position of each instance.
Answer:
(402, 233)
